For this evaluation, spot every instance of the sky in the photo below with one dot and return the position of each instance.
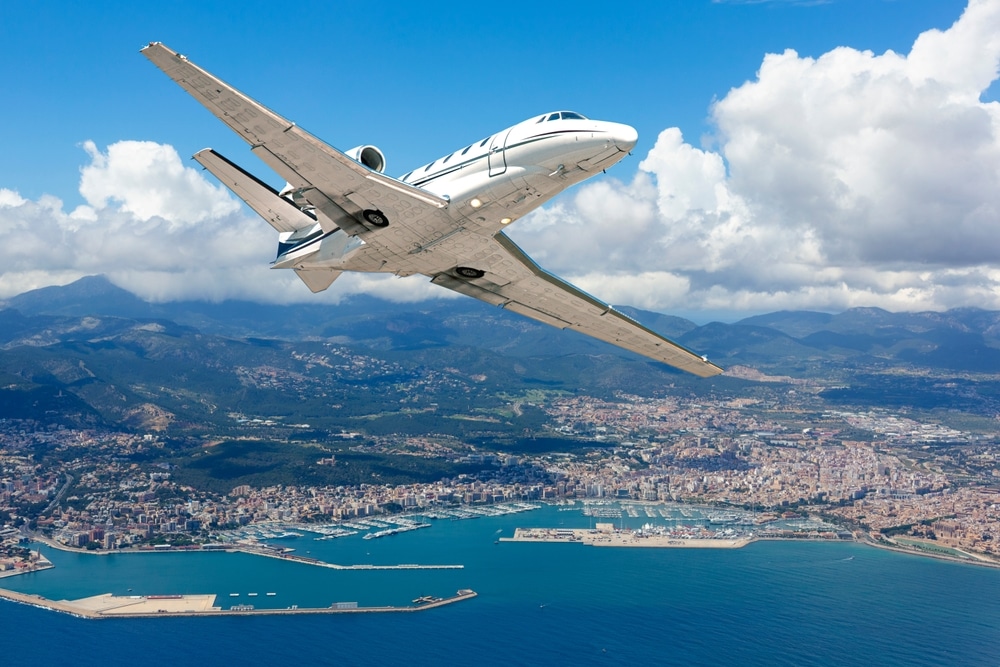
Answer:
(793, 154)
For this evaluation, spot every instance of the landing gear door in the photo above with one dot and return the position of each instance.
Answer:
(497, 157)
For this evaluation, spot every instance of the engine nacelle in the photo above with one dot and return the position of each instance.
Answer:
(369, 156)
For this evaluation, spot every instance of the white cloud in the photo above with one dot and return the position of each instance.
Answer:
(165, 233)
(154, 227)
(148, 180)
(845, 180)
(851, 179)
(10, 199)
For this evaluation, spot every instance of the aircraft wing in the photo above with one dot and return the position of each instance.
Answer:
(512, 280)
(421, 235)
(339, 188)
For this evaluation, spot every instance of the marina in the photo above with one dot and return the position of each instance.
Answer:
(384, 526)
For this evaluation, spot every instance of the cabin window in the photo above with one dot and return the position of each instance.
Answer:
(406, 177)
(428, 167)
(483, 142)
(445, 161)
(466, 149)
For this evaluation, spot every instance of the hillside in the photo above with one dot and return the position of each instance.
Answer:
(92, 353)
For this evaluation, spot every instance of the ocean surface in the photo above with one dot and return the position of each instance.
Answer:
(771, 603)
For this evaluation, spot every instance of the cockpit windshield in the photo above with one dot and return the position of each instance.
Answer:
(562, 115)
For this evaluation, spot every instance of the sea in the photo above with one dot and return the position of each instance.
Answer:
(770, 603)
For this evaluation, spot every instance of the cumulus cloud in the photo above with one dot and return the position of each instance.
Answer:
(851, 179)
(147, 180)
(844, 180)
(158, 229)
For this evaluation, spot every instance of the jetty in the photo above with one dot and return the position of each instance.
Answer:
(608, 537)
(306, 560)
(162, 606)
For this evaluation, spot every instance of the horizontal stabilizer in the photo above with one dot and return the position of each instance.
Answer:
(282, 214)
(317, 279)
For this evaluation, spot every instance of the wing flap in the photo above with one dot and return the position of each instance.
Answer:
(467, 288)
(538, 315)
(513, 280)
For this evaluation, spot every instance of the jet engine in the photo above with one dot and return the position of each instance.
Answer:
(369, 156)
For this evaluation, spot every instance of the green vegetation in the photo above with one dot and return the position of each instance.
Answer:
(261, 463)
(932, 548)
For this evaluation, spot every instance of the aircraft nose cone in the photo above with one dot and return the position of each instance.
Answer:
(625, 137)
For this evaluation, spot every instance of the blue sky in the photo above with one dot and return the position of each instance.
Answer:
(421, 79)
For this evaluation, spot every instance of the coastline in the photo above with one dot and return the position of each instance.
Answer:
(607, 540)
(173, 606)
(628, 539)
(245, 549)
(41, 564)
(981, 561)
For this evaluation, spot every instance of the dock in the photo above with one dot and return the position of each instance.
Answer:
(627, 538)
(163, 606)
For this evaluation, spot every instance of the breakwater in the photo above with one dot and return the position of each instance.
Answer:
(172, 606)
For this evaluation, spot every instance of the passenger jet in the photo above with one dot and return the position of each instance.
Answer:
(340, 212)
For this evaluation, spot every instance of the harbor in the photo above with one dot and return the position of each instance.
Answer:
(548, 596)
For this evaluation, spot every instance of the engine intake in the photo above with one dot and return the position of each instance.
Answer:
(370, 156)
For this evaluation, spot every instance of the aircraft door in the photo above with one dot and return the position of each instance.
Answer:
(497, 157)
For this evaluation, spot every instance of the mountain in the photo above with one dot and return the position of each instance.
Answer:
(92, 295)
(94, 354)
(798, 342)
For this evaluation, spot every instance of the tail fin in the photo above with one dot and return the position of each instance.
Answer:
(280, 213)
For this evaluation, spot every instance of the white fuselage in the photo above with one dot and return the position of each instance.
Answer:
(493, 182)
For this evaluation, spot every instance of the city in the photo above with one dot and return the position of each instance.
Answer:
(883, 476)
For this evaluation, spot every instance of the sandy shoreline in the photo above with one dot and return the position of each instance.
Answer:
(172, 606)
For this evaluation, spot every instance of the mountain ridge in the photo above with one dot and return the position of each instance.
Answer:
(965, 339)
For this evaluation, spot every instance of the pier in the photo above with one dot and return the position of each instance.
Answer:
(333, 566)
(162, 606)
(627, 538)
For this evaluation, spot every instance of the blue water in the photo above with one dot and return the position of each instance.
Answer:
(772, 603)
